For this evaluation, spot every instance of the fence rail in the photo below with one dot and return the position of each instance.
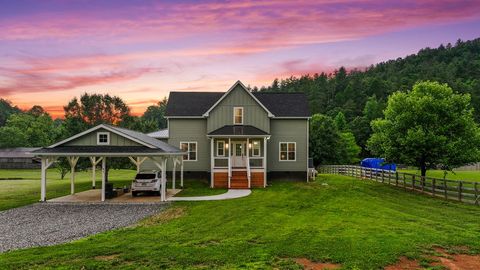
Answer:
(463, 191)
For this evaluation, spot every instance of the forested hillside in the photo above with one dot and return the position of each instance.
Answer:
(361, 94)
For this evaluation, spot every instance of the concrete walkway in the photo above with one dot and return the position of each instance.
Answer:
(230, 194)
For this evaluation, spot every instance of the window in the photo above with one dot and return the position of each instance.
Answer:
(256, 148)
(238, 115)
(220, 148)
(191, 149)
(103, 138)
(287, 151)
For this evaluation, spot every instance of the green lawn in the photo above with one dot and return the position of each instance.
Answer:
(199, 188)
(455, 175)
(360, 224)
(15, 193)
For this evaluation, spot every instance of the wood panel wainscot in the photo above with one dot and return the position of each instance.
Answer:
(256, 179)
(220, 179)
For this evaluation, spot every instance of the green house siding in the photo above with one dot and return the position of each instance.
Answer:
(291, 130)
(91, 139)
(188, 130)
(253, 113)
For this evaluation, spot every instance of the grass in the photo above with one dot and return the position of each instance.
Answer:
(199, 188)
(15, 193)
(455, 175)
(360, 224)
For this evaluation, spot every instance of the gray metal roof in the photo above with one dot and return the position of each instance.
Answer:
(19, 152)
(244, 130)
(159, 134)
(198, 103)
(99, 149)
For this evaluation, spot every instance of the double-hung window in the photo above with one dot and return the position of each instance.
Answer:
(238, 115)
(256, 148)
(191, 150)
(221, 148)
(287, 151)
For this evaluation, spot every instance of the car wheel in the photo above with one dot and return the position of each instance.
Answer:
(134, 194)
(157, 193)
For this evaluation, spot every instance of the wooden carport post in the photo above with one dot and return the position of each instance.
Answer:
(94, 162)
(73, 163)
(46, 162)
(163, 168)
(104, 176)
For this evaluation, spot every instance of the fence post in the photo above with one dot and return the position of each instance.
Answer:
(383, 172)
(460, 184)
(396, 179)
(422, 181)
(433, 186)
(476, 193)
(404, 182)
(445, 191)
(413, 182)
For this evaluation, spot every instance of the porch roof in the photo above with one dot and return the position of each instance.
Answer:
(238, 131)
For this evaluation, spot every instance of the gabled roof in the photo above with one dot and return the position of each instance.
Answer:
(159, 134)
(285, 104)
(190, 103)
(197, 104)
(135, 136)
(240, 130)
(19, 152)
(238, 83)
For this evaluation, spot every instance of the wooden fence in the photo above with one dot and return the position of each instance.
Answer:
(463, 191)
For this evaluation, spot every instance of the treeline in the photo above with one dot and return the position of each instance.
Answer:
(36, 128)
(361, 94)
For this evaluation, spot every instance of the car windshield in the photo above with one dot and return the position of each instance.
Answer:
(145, 176)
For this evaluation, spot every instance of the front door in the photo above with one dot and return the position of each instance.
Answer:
(238, 155)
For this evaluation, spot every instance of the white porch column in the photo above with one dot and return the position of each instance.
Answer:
(73, 163)
(212, 161)
(181, 173)
(248, 163)
(229, 161)
(264, 162)
(104, 176)
(175, 160)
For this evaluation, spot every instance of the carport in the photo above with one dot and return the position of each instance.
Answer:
(105, 141)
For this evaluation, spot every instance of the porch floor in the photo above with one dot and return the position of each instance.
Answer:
(93, 196)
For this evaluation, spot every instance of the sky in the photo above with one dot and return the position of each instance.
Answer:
(54, 50)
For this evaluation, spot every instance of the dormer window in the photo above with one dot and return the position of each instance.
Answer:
(238, 115)
(103, 138)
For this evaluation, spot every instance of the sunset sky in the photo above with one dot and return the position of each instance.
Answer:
(51, 51)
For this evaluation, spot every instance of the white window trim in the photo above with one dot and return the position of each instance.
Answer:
(103, 133)
(188, 151)
(280, 152)
(234, 109)
(218, 155)
(259, 148)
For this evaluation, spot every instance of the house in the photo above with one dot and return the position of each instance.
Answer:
(238, 138)
(18, 158)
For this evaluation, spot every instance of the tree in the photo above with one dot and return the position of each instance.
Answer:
(94, 109)
(329, 145)
(156, 114)
(6, 109)
(341, 122)
(427, 127)
(27, 130)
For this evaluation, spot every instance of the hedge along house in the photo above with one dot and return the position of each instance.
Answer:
(104, 141)
(238, 138)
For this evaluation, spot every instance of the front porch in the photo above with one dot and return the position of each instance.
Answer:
(238, 162)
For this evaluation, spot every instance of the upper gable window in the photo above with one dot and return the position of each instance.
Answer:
(238, 115)
(103, 138)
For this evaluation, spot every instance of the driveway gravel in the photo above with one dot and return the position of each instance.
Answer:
(45, 224)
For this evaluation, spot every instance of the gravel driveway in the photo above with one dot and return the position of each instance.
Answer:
(45, 224)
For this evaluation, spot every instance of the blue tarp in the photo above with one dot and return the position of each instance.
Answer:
(378, 163)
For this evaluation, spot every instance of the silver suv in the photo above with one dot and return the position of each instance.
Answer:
(147, 182)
